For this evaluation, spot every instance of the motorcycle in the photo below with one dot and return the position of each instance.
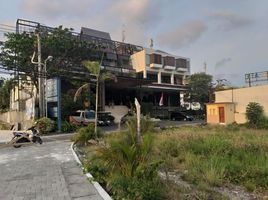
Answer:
(31, 135)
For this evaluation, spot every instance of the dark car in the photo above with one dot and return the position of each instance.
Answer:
(180, 116)
(105, 119)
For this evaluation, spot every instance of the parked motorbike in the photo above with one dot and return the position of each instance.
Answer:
(31, 135)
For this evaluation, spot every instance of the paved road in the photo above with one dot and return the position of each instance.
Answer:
(45, 172)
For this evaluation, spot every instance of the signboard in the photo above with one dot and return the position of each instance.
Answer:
(53, 99)
(256, 77)
(52, 90)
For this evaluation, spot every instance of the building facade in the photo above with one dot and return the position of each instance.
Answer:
(239, 98)
(142, 73)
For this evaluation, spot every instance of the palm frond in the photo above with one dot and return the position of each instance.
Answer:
(79, 91)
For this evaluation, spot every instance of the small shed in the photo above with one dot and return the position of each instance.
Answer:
(220, 113)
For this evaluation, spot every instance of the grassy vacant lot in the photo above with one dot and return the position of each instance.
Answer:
(203, 158)
(216, 155)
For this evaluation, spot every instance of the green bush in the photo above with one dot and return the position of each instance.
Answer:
(99, 170)
(45, 125)
(85, 134)
(255, 115)
(67, 127)
(134, 188)
(147, 126)
(132, 174)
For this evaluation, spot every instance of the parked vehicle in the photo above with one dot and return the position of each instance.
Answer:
(105, 118)
(181, 116)
(85, 117)
(31, 135)
(82, 117)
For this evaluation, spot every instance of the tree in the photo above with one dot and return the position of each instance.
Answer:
(95, 69)
(67, 51)
(5, 94)
(254, 114)
(200, 88)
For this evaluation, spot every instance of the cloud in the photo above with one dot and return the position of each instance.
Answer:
(182, 35)
(222, 62)
(144, 13)
(230, 21)
(138, 16)
(57, 8)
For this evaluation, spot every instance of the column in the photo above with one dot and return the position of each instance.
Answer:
(172, 79)
(159, 77)
(144, 73)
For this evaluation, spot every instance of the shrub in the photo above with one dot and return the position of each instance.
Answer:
(147, 126)
(254, 114)
(45, 125)
(67, 127)
(85, 134)
(134, 188)
(132, 172)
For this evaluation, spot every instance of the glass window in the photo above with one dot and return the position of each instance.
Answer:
(147, 59)
(90, 115)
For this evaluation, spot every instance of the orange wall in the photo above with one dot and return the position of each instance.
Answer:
(213, 113)
(241, 97)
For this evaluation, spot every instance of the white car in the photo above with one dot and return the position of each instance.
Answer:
(82, 117)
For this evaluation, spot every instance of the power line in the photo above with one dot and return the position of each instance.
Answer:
(7, 25)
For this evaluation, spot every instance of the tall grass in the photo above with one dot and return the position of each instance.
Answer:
(217, 155)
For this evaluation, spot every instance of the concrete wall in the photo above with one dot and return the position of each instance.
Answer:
(241, 97)
(13, 117)
(213, 113)
(138, 61)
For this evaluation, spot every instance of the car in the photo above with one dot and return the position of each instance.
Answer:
(181, 116)
(85, 117)
(105, 118)
(82, 117)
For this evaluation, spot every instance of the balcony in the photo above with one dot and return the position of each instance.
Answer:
(156, 66)
(169, 63)
(182, 69)
(168, 67)
(156, 61)
(181, 65)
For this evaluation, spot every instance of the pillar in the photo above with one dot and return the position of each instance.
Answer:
(172, 79)
(159, 77)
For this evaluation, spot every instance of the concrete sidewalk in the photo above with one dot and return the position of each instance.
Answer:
(47, 171)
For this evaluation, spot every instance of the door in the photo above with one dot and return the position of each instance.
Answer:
(221, 115)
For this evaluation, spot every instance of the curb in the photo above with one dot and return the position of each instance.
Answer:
(98, 187)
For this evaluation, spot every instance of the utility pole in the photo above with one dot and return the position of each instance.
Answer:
(205, 67)
(40, 79)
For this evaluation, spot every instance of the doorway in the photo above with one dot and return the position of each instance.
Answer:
(221, 115)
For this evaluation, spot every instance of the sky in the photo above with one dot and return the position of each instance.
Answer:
(230, 36)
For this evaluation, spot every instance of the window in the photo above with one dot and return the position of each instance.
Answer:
(165, 79)
(177, 80)
(182, 63)
(147, 59)
(170, 61)
(156, 58)
(152, 77)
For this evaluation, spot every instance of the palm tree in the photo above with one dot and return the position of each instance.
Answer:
(95, 69)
